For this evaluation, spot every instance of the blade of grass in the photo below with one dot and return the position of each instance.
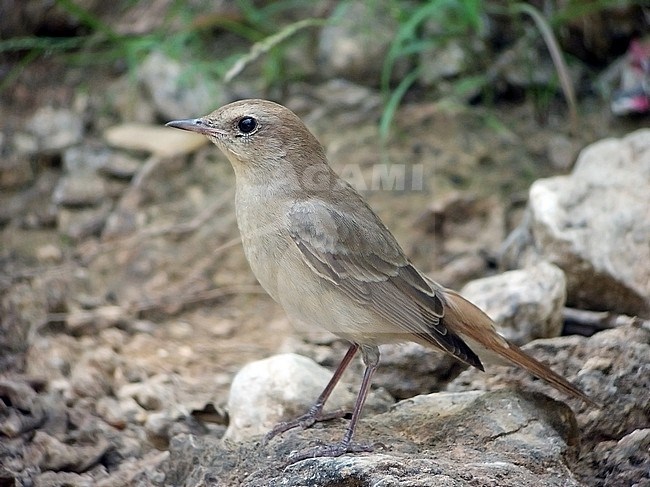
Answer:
(264, 46)
(556, 56)
(15, 72)
(88, 19)
(393, 102)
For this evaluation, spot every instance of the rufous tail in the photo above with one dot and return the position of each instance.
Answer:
(466, 319)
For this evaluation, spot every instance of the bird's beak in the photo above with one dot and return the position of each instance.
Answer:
(197, 125)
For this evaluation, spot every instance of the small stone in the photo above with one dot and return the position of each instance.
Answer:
(90, 322)
(49, 253)
(175, 94)
(180, 329)
(15, 172)
(121, 166)
(278, 388)
(157, 427)
(89, 381)
(442, 61)
(85, 160)
(52, 130)
(82, 223)
(110, 410)
(409, 369)
(154, 394)
(51, 454)
(84, 189)
(561, 151)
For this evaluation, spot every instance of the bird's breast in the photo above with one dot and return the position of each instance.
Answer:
(264, 231)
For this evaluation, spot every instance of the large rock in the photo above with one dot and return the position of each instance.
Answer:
(470, 438)
(525, 304)
(612, 367)
(595, 225)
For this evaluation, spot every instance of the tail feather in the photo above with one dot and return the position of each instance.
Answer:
(466, 319)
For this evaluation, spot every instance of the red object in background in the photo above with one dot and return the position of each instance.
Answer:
(634, 94)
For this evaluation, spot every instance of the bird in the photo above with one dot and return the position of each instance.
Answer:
(321, 252)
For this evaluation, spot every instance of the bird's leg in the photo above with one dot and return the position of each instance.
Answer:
(315, 412)
(371, 360)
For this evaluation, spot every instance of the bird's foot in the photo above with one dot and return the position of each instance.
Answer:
(303, 422)
(332, 450)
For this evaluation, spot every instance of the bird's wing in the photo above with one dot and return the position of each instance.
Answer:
(362, 258)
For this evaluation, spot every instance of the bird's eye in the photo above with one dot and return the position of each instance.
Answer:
(246, 125)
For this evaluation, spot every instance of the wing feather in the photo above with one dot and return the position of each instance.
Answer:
(366, 263)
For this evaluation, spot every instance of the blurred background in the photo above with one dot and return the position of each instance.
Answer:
(125, 292)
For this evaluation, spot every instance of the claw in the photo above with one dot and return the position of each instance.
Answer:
(334, 450)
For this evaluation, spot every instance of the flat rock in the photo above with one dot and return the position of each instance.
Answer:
(595, 225)
(87, 189)
(500, 438)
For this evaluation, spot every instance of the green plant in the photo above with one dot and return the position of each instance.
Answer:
(185, 33)
(459, 17)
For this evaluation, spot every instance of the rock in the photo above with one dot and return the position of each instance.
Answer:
(48, 453)
(279, 388)
(561, 151)
(20, 408)
(462, 269)
(82, 223)
(409, 369)
(612, 367)
(15, 172)
(160, 141)
(355, 45)
(466, 228)
(130, 101)
(50, 130)
(85, 159)
(154, 394)
(441, 439)
(121, 166)
(626, 462)
(109, 409)
(175, 94)
(525, 304)
(22, 310)
(86, 189)
(595, 225)
(157, 427)
(89, 381)
(82, 185)
(442, 61)
(90, 322)
(49, 254)
(69, 479)
(344, 96)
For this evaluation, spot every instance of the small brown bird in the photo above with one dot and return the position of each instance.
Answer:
(319, 250)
